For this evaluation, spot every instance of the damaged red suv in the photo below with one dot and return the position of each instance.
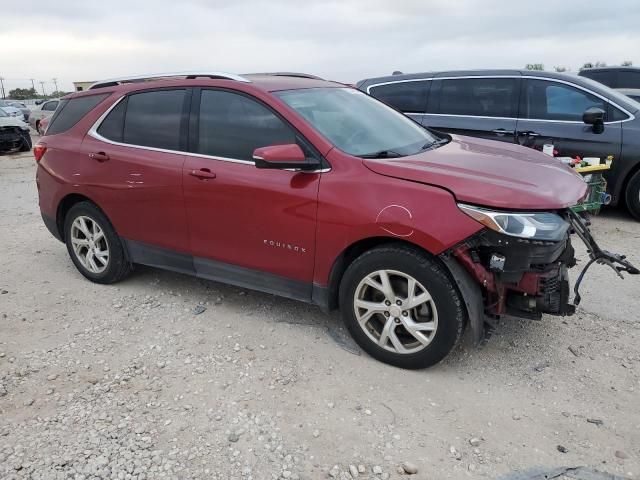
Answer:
(309, 189)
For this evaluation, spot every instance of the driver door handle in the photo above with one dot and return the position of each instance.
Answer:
(502, 131)
(202, 174)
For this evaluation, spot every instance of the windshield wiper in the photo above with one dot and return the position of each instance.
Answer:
(381, 154)
(436, 143)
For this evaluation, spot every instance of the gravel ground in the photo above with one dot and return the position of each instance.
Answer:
(168, 376)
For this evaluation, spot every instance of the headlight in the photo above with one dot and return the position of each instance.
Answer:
(533, 225)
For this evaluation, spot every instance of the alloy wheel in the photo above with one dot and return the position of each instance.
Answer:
(395, 311)
(90, 244)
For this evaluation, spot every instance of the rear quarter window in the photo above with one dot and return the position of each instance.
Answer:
(70, 112)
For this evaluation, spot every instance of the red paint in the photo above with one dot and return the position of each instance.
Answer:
(293, 224)
(280, 153)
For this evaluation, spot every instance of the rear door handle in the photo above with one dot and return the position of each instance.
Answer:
(99, 156)
(202, 174)
(502, 131)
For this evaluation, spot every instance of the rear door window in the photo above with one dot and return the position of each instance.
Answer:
(479, 97)
(153, 119)
(406, 96)
(233, 126)
(71, 111)
(545, 100)
(147, 119)
(50, 106)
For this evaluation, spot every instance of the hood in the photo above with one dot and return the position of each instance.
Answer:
(490, 173)
(13, 122)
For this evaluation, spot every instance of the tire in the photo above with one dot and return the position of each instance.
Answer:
(632, 195)
(443, 314)
(26, 143)
(88, 235)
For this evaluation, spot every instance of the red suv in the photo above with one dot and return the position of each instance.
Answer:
(313, 190)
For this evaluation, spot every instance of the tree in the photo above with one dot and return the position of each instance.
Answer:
(22, 93)
(593, 65)
(58, 94)
(627, 63)
(561, 69)
(535, 66)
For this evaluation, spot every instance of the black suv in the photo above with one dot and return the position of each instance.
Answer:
(530, 108)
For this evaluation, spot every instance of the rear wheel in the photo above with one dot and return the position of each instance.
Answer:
(93, 245)
(632, 195)
(401, 306)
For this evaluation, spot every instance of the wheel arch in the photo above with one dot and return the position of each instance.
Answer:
(352, 252)
(65, 205)
(625, 184)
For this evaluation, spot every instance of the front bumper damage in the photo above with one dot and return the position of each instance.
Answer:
(12, 138)
(504, 276)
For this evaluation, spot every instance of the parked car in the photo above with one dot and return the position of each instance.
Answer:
(632, 93)
(614, 77)
(44, 123)
(26, 111)
(45, 109)
(11, 110)
(312, 190)
(528, 108)
(14, 133)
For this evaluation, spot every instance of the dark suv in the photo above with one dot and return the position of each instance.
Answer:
(614, 77)
(312, 190)
(528, 108)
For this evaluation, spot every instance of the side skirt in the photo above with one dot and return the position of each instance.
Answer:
(215, 270)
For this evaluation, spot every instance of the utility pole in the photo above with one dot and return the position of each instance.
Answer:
(33, 85)
(55, 82)
(2, 86)
(43, 92)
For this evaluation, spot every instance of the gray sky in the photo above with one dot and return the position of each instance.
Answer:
(343, 40)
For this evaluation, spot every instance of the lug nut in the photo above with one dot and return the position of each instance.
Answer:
(387, 303)
(398, 302)
(397, 320)
(386, 314)
(405, 313)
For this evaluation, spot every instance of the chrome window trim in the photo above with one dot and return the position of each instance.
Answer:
(630, 116)
(93, 132)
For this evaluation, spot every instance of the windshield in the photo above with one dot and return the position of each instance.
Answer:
(2, 113)
(358, 124)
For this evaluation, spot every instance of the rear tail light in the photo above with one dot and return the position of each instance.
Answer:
(38, 151)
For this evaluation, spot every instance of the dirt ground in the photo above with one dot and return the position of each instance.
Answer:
(130, 382)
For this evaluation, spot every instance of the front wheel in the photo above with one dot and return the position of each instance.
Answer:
(632, 195)
(401, 306)
(93, 245)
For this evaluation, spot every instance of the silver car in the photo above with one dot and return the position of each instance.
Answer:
(45, 110)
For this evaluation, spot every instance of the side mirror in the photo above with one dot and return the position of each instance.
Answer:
(594, 116)
(39, 101)
(283, 157)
